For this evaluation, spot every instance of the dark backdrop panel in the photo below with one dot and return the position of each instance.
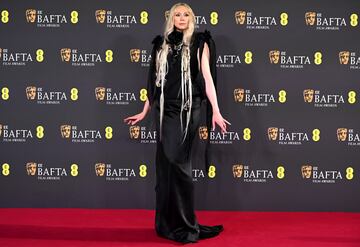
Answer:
(310, 165)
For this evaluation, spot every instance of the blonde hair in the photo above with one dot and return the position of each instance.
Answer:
(162, 66)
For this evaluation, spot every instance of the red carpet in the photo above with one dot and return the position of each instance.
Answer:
(86, 227)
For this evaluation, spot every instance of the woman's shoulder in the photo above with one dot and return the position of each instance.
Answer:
(203, 36)
(157, 41)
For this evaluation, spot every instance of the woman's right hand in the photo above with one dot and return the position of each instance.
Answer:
(138, 117)
(134, 119)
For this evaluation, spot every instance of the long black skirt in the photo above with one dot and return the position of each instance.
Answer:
(175, 216)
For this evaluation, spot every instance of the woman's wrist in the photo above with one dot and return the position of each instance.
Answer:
(216, 111)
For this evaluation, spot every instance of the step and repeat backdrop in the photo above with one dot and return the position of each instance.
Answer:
(288, 81)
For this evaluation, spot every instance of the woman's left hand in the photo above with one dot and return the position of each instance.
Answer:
(219, 120)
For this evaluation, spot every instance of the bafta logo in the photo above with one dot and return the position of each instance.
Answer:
(0, 129)
(100, 15)
(341, 134)
(344, 57)
(308, 95)
(239, 94)
(310, 18)
(203, 133)
(240, 17)
(134, 132)
(273, 133)
(135, 55)
(65, 131)
(166, 14)
(306, 171)
(238, 171)
(31, 168)
(65, 54)
(100, 169)
(100, 93)
(31, 93)
(274, 56)
(30, 15)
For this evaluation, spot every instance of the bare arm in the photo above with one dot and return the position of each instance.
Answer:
(210, 91)
(146, 107)
(140, 116)
(209, 83)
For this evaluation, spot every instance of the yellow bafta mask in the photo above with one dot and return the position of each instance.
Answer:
(100, 15)
(308, 95)
(30, 15)
(274, 56)
(239, 94)
(100, 93)
(238, 170)
(135, 55)
(273, 133)
(240, 17)
(310, 18)
(100, 169)
(203, 133)
(344, 57)
(341, 134)
(65, 131)
(134, 132)
(306, 171)
(31, 168)
(31, 92)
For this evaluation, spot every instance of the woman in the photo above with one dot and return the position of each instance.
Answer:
(182, 74)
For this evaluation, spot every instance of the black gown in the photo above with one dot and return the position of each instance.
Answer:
(175, 216)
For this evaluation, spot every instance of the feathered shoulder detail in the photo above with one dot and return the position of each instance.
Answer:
(203, 36)
(157, 41)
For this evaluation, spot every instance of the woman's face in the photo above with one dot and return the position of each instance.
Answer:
(181, 18)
